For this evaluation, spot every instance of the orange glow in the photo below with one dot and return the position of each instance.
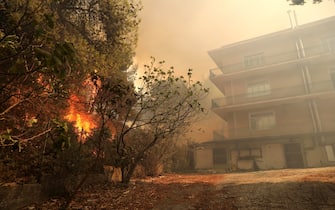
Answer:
(83, 121)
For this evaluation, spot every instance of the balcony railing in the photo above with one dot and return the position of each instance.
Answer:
(289, 128)
(286, 57)
(279, 93)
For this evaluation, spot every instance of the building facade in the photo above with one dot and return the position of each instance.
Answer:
(278, 101)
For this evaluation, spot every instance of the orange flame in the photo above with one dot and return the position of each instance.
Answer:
(83, 121)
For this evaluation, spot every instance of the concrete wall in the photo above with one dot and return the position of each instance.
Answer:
(203, 158)
(314, 157)
(290, 119)
(312, 38)
(235, 55)
(320, 75)
(273, 157)
(266, 156)
(286, 76)
(326, 114)
(283, 81)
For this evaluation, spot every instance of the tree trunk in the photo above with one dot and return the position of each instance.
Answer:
(126, 178)
(132, 166)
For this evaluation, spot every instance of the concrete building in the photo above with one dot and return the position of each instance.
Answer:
(278, 101)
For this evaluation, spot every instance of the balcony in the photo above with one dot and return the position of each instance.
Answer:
(276, 95)
(219, 135)
(290, 128)
(273, 60)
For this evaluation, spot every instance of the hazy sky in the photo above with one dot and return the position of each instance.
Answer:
(181, 32)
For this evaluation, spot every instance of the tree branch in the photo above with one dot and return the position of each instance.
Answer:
(33, 137)
(12, 107)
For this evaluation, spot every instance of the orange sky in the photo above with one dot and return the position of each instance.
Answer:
(181, 32)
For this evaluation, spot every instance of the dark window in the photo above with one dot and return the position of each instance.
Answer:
(332, 76)
(330, 44)
(330, 151)
(262, 120)
(293, 156)
(261, 88)
(250, 153)
(254, 60)
(219, 156)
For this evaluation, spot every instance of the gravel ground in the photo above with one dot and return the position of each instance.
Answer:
(278, 189)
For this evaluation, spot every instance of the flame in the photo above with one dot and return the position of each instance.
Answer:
(83, 121)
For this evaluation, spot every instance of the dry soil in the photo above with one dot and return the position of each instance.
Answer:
(278, 189)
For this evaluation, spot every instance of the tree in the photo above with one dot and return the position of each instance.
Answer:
(36, 71)
(48, 48)
(302, 2)
(105, 32)
(160, 107)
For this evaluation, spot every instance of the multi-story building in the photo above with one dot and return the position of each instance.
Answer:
(278, 101)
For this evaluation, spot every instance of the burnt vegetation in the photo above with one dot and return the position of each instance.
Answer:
(57, 53)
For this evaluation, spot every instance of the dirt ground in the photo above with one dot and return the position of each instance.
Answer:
(278, 189)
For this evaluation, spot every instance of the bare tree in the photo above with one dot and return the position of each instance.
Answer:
(160, 106)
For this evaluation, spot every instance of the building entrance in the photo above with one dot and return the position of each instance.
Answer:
(293, 156)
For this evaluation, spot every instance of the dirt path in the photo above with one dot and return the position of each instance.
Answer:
(310, 195)
(280, 189)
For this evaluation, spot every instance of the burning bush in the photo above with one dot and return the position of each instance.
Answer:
(78, 114)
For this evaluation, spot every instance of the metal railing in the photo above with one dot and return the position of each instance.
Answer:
(279, 93)
(290, 127)
(268, 60)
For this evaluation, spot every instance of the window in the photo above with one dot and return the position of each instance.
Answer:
(258, 89)
(330, 44)
(332, 76)
(330, 152)
(249, 153)
(219, 156)
(262, 121)
(254, 60)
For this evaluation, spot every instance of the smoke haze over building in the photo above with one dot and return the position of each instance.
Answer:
(181, 32)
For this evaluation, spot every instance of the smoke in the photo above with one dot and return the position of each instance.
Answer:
(181, 32)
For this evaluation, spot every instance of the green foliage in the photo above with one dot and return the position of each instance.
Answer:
(24, 159)
(36, 68)
(106, 32)
(47, 50)
(114, 96)
(61, 138)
